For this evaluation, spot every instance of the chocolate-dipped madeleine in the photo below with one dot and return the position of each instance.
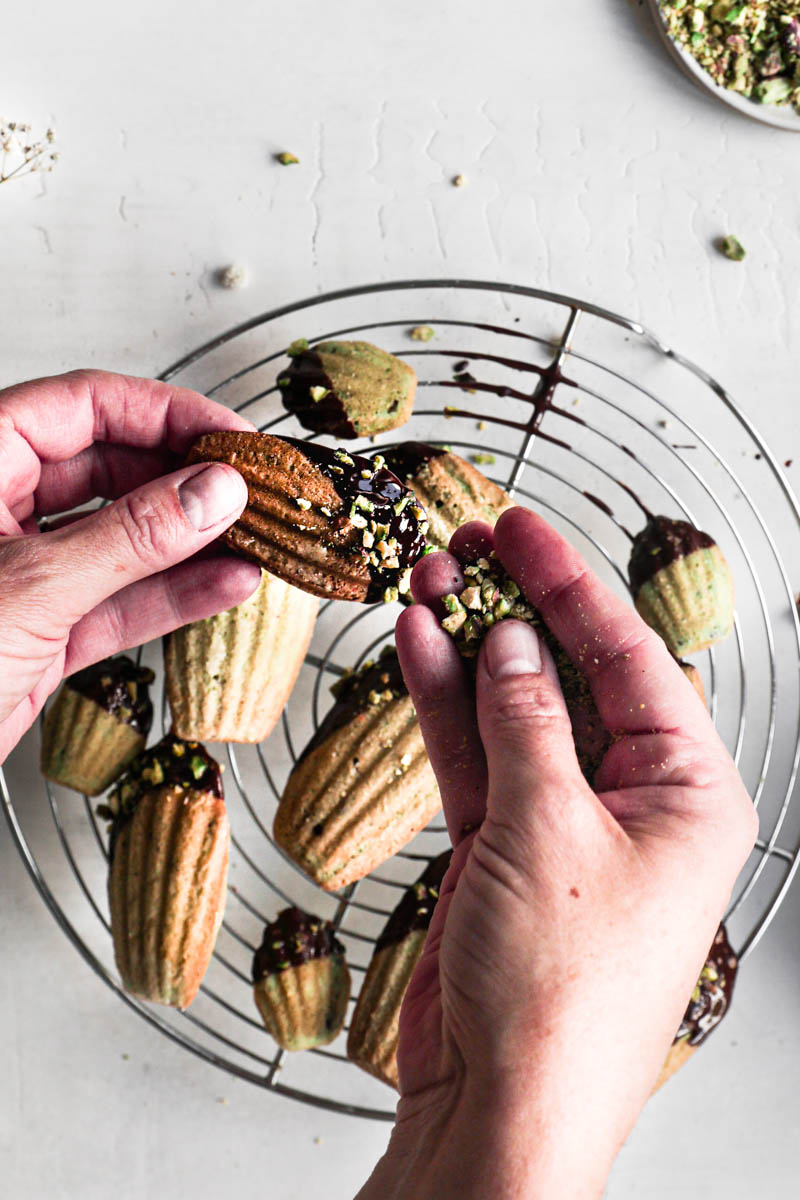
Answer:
(301, 984)
(372, 1039)
(709, 1003)
(337, 525)
(363, 786)
(168, 868)
(449, 488)
(228, 677)
(98, 722)
(682, 585)
(347, 389)
(489, 596)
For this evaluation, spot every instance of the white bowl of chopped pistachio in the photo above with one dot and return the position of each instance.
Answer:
(745, 54)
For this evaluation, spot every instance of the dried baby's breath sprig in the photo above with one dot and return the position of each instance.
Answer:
(21, 155)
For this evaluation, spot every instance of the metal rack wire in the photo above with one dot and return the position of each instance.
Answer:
(631, 415)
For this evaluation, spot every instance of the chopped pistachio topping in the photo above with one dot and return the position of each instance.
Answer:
(732, 248)
(391, 594)
(318, 393)
(490, 596)
(284, 382)
(297, 347)
(421, 333)
(482, 459)
(751, 48)
(286, 159)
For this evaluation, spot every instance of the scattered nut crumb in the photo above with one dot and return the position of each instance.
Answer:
(126, 1057)
(731, 247)
(231, 277)
(459, 180)
(317, 1141)
(286, 159)
(222, 1100)
(421, 333)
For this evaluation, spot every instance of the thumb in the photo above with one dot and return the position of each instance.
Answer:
(145, 532)
(524, 724)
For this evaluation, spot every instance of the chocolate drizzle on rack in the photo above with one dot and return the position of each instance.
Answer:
(415, 910)
(294, 938)
(119, 687)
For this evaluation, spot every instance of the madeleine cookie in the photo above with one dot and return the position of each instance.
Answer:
(337, 525)
(709, 1003)
(98, 722)
(168, 868)
(682, 585)
(372, 1040)
(301, 984)
(347, 389)
(229, 677)
(363, 786)
(449, 488)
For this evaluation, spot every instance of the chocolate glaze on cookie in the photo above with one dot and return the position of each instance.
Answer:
(119, 687)
(172, 762)
(407, 458)
(712, 996)
(294, 938)
(415, 910)
(356, 693)
(663, 541)
(371, 492)
(325, 415)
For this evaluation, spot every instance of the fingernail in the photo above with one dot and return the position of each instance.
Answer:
(512, 648)
(210, 496)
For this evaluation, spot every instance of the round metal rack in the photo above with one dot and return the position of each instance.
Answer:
(629, 416)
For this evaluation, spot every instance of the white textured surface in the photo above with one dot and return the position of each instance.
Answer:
(592, 169)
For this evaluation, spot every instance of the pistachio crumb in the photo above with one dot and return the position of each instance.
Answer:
(286, 158)
(421, 333)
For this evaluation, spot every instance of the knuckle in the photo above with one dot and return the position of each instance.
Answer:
(146, 527)
(523, 702)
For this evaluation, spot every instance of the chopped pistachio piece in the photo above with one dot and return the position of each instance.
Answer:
(286, 159)
(297, 347)
(318, 393)
(421, 333)
(732, 248)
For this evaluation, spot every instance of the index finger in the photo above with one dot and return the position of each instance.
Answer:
(636, 684)
(51, 420)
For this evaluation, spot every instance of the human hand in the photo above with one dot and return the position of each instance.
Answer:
(573, 924)
(111, 579)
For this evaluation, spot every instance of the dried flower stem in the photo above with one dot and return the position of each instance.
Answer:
(22, 156)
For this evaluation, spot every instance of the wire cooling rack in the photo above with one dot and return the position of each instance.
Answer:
(629, 417)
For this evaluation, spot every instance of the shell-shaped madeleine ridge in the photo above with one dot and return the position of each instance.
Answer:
(689, 602)
(167, 892)
(453, 492)
(83, 746)
(359, 796)
(229, 676)
(305, 1006)
(373, 1035)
